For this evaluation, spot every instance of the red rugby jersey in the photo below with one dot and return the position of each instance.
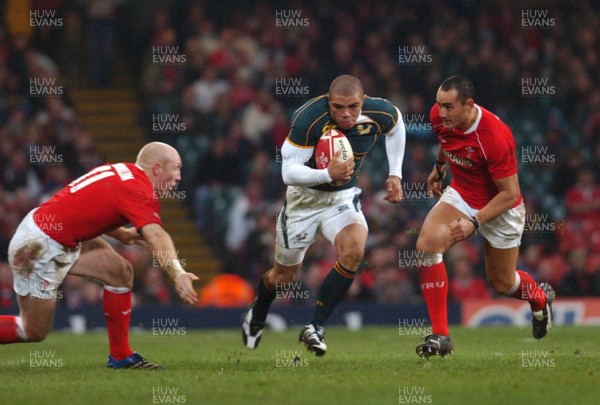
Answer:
(98, 202)
(478, 156)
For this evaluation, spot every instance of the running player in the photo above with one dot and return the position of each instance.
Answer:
(63, 236)
(313, 204)
(484, 196)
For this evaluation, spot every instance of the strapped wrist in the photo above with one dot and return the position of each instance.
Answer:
(475, 222)
(441, 170)
(174, 269)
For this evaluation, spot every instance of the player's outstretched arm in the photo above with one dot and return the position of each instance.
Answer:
(164, 250)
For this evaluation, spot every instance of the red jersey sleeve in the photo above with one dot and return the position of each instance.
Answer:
(140, 206)
(500, 152)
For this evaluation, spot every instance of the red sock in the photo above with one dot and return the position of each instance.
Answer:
(530, 291)
(117, 310)
(434, 284)
(8, 329)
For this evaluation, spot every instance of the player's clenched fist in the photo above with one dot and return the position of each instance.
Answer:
(461, 229)
(393, 186)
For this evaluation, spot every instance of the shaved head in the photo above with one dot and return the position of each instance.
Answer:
(156, 152)
(346, 86)
(162, 164)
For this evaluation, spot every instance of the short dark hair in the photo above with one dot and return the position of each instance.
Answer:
(463, 86)
(346, 85)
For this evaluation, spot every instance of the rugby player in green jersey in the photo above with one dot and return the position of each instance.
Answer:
(314, 204)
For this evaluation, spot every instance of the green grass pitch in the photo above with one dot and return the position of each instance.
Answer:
(494, 365)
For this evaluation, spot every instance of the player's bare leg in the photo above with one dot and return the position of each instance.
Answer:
(500, 265)
(101, 262)
(256, 317)
(33, 323)
(504, 278)
(434, 240)
(37, 315)
(350, 246)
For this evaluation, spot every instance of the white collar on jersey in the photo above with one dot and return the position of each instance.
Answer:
(476, 123)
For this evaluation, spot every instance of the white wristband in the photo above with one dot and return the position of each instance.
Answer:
(174, 269)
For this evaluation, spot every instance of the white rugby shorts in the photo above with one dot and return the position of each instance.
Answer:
(502, 232)
(38, 263)
(307, 211)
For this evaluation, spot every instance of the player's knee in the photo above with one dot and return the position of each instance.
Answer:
(425, 243)
(282, 275)
(351, 255)
(499, 285)
(123, 275)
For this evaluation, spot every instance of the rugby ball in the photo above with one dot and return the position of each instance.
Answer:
(328, 145)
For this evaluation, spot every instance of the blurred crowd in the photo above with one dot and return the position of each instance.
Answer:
(233, 73)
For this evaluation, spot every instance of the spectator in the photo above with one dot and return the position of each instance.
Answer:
(583, 199)
(582, 279)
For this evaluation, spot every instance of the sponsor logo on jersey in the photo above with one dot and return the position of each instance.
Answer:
(458, 160)
(328, 127)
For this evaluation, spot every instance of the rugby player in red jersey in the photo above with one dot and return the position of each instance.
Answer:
(63, 236)
(484, 196)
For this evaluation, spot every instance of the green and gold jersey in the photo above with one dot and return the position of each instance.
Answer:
(311, 120)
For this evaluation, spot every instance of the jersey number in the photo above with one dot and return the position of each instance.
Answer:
(100, 173)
